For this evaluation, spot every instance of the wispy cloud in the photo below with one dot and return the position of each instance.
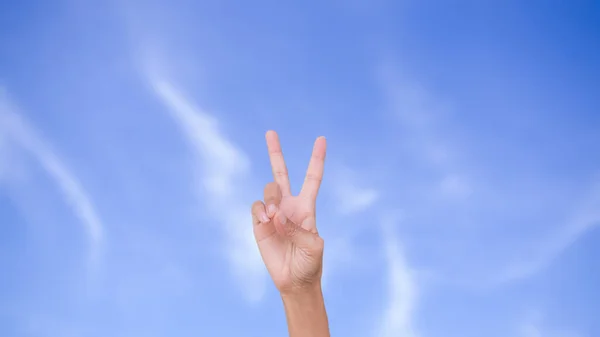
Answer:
(419, 114)
(350, 196)
(534, 326)
(421, 119)
(455, 186)
(543, 252)
(222, 170)
(425, 121)
(4, 155)
(402, 288)
(16, 130)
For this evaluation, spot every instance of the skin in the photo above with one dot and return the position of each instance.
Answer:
(289, 243)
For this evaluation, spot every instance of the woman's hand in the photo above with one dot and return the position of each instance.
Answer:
(285, 225)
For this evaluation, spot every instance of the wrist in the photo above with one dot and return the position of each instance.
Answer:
(302, 292)
(305, 312)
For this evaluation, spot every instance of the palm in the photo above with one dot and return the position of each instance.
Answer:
(289, 242)
(300, 210)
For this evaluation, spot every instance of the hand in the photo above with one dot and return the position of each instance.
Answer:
(285, 225)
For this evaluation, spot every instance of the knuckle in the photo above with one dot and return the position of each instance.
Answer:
(314, 177)
(272, 192)
(256, 206)
(319, 244)
(281, 173)
(271, 187)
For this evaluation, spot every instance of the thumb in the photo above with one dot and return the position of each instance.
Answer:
(295, 233)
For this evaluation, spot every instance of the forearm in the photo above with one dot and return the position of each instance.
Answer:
(305, 313)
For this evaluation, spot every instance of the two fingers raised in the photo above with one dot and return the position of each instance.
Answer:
(263, 212)
(314, 174)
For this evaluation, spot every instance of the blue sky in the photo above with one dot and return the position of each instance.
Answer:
(461, 193)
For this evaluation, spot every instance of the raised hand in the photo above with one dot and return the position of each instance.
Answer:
(285, 225)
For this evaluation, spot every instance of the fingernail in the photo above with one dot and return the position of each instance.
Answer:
(282, 218)
(272, 210)
(264, 217)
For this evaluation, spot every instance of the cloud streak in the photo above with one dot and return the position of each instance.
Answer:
(536, 327)
(15, 129)
(545, 251)
(424, 121)
(224, 167)
(401, 288)
(351, 197)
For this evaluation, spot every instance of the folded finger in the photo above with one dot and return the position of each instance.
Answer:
(259, 214)
(272, 196)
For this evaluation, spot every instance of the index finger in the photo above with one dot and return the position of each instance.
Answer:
(280, 173)
(314, 173)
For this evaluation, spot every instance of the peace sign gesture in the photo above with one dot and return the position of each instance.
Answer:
(285, 225)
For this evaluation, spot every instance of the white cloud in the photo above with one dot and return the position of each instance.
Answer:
(455, 186)
(340, 255)
(222, 160)
(402, 288)
(3, 156)
(535, 326)
(421, 119)
(16, 130)
(529, 330)
(545, 251)
(424, 123)
(419, 115)
(224, 168)
(350, 196)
